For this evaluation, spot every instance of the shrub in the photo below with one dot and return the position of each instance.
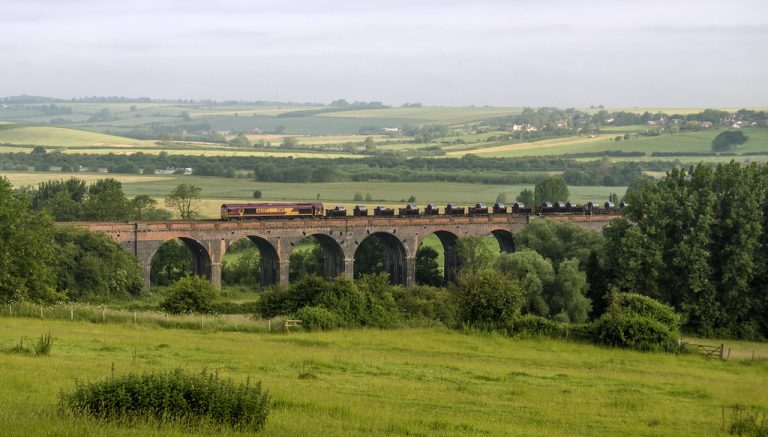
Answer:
(190, 400)
(427, 303)
(274, 302)
(633, 331)
(633, 303)
(637, 322)
(380, 309)
(487, 298)
(344, 298)
(317, 319)
(190, 294)
(533, 325)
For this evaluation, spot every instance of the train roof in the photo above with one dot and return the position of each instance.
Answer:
(270, 204)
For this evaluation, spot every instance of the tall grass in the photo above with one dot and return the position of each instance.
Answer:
(98, 314)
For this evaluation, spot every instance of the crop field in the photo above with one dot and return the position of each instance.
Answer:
(445, 115)
(55, 136)
(398, 382)
(682, 142)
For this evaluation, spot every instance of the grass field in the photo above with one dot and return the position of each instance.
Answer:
(219, 190)
(682, 142)
(55, 136)
(399, 382)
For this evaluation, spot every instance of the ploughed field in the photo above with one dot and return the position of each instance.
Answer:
(398, 382)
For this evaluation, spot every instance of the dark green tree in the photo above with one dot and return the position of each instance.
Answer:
(191, 294)
(534, 273)
(526, 197)
(487, 298)
(550, 189)
(728, 140)
(427, 269)
(27, 257)
(106, 201)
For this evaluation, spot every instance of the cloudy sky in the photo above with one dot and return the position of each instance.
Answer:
(444, 52)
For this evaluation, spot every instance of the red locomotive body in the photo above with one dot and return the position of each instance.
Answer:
(246, 211)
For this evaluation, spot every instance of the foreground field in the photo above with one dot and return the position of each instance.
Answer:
(370, 382)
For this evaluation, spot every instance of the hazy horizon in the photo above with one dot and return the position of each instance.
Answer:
(453, 53)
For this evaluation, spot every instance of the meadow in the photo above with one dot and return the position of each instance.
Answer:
(398, 382)
(695, 141)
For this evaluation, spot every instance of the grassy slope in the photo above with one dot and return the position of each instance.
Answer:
(56, 136)
(370, 382)
(683, 142)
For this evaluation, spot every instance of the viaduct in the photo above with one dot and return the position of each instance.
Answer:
(339, 238)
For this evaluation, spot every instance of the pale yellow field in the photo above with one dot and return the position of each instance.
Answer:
(314, 139)
(24, 179)
(436, 114)
(250, 111)
(544, 144)
(56, 136)
(214, 151)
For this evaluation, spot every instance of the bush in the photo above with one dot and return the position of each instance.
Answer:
(191, 294)
(176, 397)
(344, 298)
(638, 322)
(487, 298)
(317, 319)
(422, 302)
(274, 302)
(534, 325)
(380, 309)
(633, 303)
(633, 331)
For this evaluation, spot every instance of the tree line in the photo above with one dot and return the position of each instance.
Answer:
(469, 169)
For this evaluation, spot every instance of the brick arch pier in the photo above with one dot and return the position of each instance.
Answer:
(339, 238)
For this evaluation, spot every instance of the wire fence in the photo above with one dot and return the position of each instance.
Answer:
(103, 315)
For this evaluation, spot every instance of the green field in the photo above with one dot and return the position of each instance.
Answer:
(400, 382)
(699, 141)
(217, 190)
(55, 136)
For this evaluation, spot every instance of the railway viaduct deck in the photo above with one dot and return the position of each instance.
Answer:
(339, 238)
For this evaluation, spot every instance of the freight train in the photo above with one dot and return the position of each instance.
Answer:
(256, 211)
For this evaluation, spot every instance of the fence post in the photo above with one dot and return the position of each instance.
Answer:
(103, 316)
(721, 350)
(71, 314)
(134, 317)
(41, 311)
(201, 321)
(269, 325)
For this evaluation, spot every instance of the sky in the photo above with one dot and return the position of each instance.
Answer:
(650, 53)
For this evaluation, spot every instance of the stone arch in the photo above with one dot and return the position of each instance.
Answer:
(333, 255)
(269, 259)
(506, 240)
(451, 263)
(395, 256)
(201, 258)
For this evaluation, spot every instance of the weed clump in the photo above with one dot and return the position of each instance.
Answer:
(43, 346)
(191, 400)
(748, 423)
